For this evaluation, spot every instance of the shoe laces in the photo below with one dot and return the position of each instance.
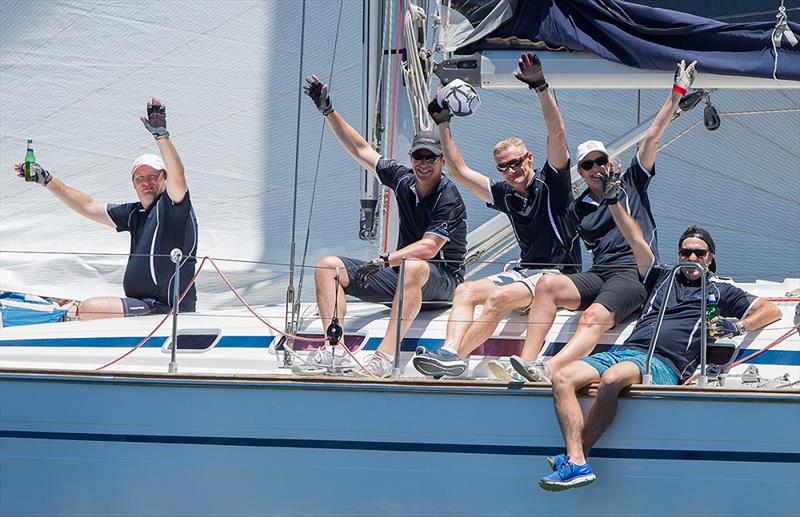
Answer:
(379, 362)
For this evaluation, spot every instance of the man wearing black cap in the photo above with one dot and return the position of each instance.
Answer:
(677, 350)
(432, 236)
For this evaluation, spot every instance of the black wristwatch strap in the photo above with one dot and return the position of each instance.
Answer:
(385, 259)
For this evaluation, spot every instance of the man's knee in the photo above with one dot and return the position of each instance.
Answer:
(597, 315)
(326, 267)
(573, 377)
(468, 292)
(508, 297)
(416, 273)
(617, 378)
(549, 286)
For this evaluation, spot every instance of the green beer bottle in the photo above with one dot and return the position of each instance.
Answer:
(712, 312)
(30, 159)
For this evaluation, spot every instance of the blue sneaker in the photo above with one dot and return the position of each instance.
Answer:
(439, 363)
(556, 461)
(568, 475)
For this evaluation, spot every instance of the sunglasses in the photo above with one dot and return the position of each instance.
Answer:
(687, 252)
(588, 164)
(424, 157)
(513, 164)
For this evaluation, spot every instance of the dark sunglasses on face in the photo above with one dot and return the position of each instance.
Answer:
(687, 252)
(424, 157)
(512, 164)
(588, 164)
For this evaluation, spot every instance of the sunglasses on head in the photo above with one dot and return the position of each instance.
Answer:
(687, 252)
(588, 164)
(512, 164)
(424, 157)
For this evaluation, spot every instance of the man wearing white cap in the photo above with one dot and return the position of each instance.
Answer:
(162, 219)
(611, 290)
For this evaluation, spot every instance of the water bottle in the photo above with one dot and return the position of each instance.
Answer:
(30, 159)
(712, 312)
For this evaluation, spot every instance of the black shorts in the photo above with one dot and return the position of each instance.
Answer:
(381, 286)
(145, 306)
(617, 289)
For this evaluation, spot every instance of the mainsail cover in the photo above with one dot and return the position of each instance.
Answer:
(641, 36)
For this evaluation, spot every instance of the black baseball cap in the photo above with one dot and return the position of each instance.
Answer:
(703, 235)
(428, 140)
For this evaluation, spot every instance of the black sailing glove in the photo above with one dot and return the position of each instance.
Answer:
(439, 114)
(530, 72)
(611, 185)
(318, 91)
(42, 176)
(368, 269)
(156, 121)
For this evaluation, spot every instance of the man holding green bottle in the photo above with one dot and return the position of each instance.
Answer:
(162, 219)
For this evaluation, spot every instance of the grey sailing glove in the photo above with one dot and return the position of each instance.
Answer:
(156, 121)
(530, 72)
(318, 92)
(368, 269)
(42, 176)
(611, 185)
(684, 77)
(439, 114)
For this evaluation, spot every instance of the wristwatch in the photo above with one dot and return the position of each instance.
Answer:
(741, 328)
(385, 259)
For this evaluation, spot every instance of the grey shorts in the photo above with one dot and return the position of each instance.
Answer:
(529, 277)
(436, 293)
(617, 289)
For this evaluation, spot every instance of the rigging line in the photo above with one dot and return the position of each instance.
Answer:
(392, 129)
(763, 137)
(297, 147)
(319, 156)
(751, 14)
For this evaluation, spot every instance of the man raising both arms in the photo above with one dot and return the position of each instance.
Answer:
(162, 219)
(536, 203)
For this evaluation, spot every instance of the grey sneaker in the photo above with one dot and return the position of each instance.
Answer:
(534, 371)
(439, 363)
(378, 365)
(327, 357)
(503, 371)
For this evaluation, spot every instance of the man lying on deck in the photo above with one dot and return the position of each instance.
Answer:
(162, 219)
(677, 350)
(432, 237)
(610, 290)
(536, 203)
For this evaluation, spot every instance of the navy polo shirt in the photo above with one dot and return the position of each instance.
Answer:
(155, 232)
(596, 225)
(545, 230)
(679, 339)
(442, 213)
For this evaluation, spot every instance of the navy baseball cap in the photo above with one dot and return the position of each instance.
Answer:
(428, 140)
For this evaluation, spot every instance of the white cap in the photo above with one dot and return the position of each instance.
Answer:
(151, 160)
(589, 146)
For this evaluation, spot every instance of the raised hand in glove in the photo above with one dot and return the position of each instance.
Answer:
(530, 72)
(684, 77)
(42, 176)
(725, 328)
(318, 91)
(439, 114)
(368, 269)
(156, 120)
(611, 183)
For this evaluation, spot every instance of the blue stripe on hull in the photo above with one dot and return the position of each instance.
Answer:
(513, 450)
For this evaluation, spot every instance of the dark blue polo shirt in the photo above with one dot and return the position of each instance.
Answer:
(156, 231)
(679, 339)
(441, 213)
(596, 225)
(545, 230)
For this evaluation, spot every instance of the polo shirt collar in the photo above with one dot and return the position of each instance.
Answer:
(442, 182)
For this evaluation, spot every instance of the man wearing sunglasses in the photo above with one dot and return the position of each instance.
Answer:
(162, 219)
(536, 203)
(432, 237)
(677, 350)
(610, 290)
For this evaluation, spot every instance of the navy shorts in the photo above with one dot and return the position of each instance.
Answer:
(617, 289)
(381, 286)
(143, 307)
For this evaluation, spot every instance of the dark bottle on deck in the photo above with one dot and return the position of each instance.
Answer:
(30, 159)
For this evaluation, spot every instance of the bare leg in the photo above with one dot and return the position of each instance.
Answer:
(512, 296)
(101, 307)
(415, 276)
(552, 292)
(325, 283)
(468, 295)
(593, 323)
(566, 384)
(602, 413)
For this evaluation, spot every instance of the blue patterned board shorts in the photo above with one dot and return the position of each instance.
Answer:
(602, 361)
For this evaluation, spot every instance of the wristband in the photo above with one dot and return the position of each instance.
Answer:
(162, 137)
(541, 88)
(385, 259)
(679, 89)
(612, 201)
(741, 328)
